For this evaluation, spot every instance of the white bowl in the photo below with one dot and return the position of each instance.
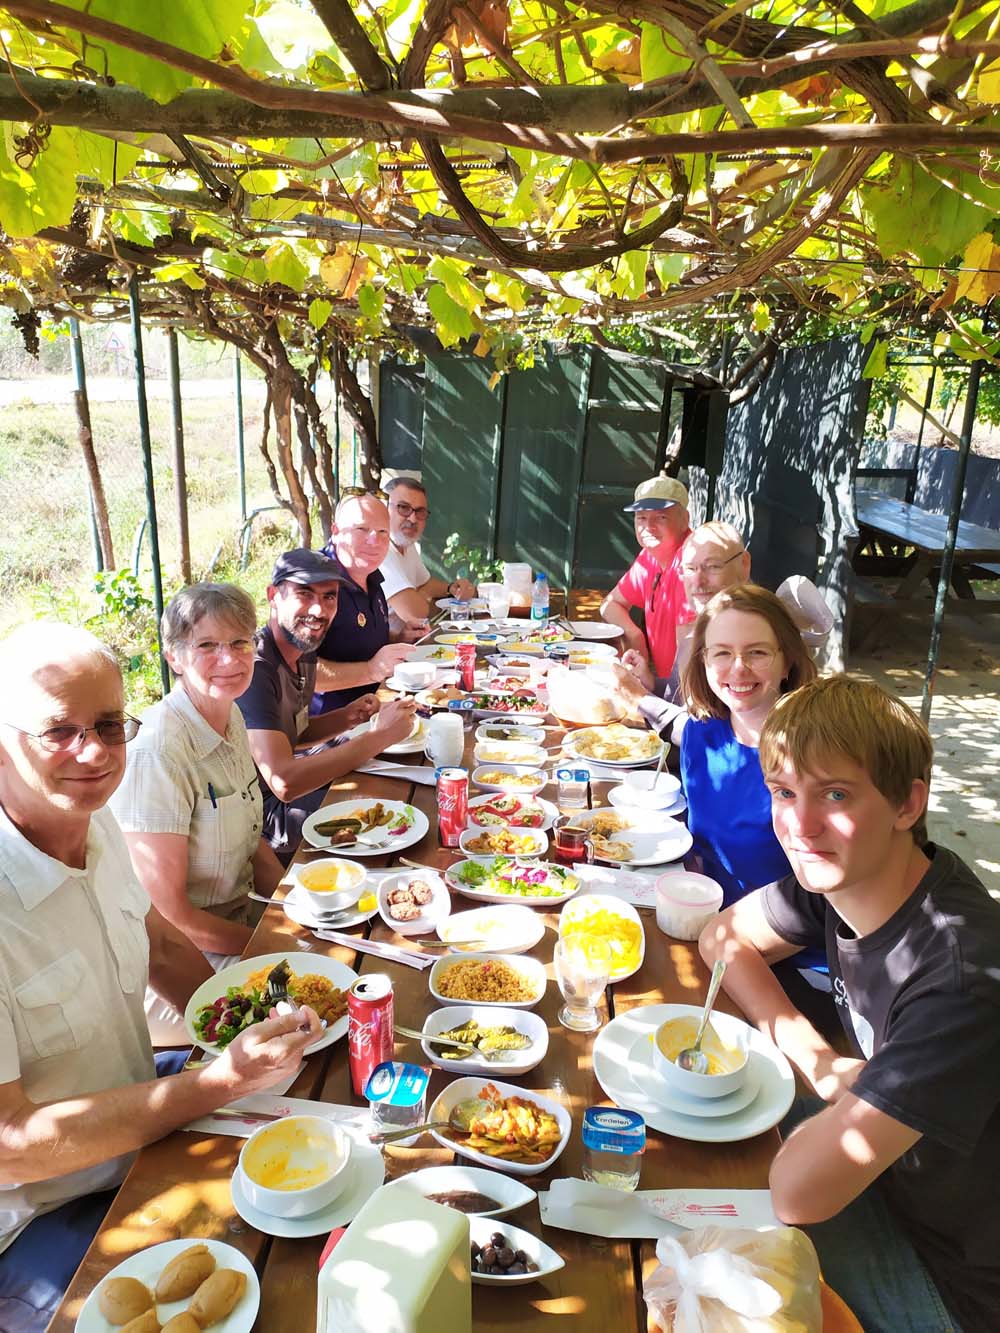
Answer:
(733, 1033)
(509, 752)
(352, 875)
(501, 771)
(522, 733)
(643, 791)
(540, 842)
(548, 1262)
(463, 1088)
(508, 1194)
(506, 928)
(530, 968)
(416, 675)
(514, 1064)
(306, 1143)
(434, 913)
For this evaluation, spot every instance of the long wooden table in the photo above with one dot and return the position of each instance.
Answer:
(179, 1187)
(904, 542)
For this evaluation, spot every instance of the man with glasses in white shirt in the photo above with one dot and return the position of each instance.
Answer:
(79, 1093)
(408, 584)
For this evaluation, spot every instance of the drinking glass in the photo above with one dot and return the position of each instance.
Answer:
(582, 967)
(572, 842)
(497, 598)
(445, 740)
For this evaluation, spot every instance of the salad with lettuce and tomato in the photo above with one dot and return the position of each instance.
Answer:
(513, 878)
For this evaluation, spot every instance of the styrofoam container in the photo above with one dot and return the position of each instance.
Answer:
(435, 913)
(307, 1143)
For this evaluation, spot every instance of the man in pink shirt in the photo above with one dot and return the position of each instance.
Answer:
(654, 579)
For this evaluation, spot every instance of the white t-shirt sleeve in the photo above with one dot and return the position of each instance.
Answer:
(401, 571)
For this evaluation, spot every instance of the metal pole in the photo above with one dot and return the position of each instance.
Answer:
(180, 468)
(85, 429)
(336, 425)
(948, 554)
(241, 464)
(911, 485)
(147, 469)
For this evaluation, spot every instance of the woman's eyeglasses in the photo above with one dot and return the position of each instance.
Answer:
(756, 659)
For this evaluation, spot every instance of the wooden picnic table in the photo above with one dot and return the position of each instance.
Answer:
(903, 542)
(179, 1187)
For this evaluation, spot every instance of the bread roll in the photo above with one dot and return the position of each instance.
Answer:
(217, 1296)
(185, 1273)
(123, 1299)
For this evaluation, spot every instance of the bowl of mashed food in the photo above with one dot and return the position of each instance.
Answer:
(725, 1044)
(295, 1166)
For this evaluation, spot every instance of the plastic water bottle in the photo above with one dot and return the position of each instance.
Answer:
(540, 597)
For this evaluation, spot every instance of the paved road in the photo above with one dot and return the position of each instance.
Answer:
(109, 389)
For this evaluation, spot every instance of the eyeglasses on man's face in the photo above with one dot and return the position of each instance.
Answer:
(710, 568)
(405, 511)
(67, 737)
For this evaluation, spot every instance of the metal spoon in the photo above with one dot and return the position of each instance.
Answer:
(692, 1058)
(469, 1051)
(459, 1117)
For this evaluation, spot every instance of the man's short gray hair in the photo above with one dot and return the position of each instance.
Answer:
(222, 600)
(412, 482)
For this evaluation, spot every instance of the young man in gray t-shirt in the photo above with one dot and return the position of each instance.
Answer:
(895, 1177)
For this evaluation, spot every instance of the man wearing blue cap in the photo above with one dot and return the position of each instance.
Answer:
(654, 581)
(298, 756)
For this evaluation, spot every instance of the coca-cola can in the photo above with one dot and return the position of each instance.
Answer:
(465, 656)
(453, 804)
(369, 1026)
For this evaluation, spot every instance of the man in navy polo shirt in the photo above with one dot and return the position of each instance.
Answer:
(357, 653)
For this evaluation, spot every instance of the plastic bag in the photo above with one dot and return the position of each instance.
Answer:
(804, 603)
(581, 696)
(716, 1280)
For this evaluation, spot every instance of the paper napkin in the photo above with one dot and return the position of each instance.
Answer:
(260, 1104)
(580, 1205)
(632, 886)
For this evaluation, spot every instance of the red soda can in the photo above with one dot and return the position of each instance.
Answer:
(369, 1026)
(453, 804)
(465, 656)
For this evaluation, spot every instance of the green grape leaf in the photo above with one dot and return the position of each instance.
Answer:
(370, 301)
(913, 213)
(660, 54)
(458, 286)
(283, 265)
(44, 195)
(319, 312)
(185, 270)
(876, 363)
(453, 321)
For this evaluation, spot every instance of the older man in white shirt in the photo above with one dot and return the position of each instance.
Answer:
(78, 1087)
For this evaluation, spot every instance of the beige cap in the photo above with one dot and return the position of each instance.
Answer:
(658, 493)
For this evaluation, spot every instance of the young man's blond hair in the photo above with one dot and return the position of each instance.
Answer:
(857, 719)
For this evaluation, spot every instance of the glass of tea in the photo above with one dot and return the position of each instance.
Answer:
(572, 842)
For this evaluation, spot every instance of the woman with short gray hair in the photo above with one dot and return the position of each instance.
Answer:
(190, 803)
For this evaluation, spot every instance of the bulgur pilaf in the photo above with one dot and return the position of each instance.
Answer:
(493, 981)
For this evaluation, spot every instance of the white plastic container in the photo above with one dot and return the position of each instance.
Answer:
(517, 578)
(685, 903)
(416, 675)
(403, 1265)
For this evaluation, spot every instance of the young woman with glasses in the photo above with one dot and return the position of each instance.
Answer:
(746, 651)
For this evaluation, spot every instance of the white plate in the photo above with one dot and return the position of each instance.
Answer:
(509, 1194)
(342, 809)
(546, 1259)
(541, 843)
(655, 838)
(548, 809)
(541, 778)
(619, 1077)
(525, 734)
(581, 904)
(514, 1065)
(433, 915)
(641, 1057)
(521, 648)
(463, 1088)
(366, 1172)
(595, 630)
(299, 909)
(517, 753)
(492, 710)
(489, 896)
(147, 1266)
(506, 928)
(411, 744)
(532, 969)
(618, 796)
(571, 742)
(431, 652)
(209, 991)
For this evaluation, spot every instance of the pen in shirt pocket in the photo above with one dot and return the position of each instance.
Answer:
(211, 797)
